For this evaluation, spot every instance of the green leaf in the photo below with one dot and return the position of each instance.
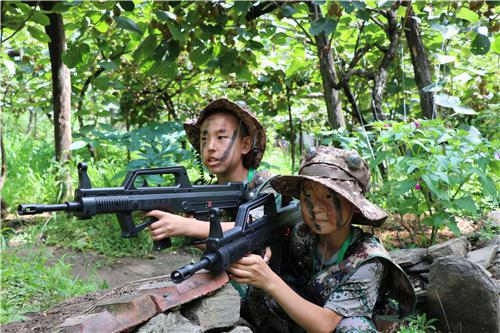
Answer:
(488, 185)
(176, 33)
(165, 16)
(445, 59)
(496, 44)
(467, 14)
(404, 186)
(78, 145)
(323, 25)
(39, 35)
(462, 109)
(127, 5)
(73, 55)
(466, 203)
(200, 55)
(40, 18)
(430, 184)
(480, 45)
(127, 24)
(447, 101)
(288, 11)
(146, 48)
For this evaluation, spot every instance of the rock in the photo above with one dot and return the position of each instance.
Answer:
(222, 309)
(484, 256)
(240, 329)
(421, 267)
(458, 246)
(462, 297)
(407, 257)
(494, 217)
(172, 322)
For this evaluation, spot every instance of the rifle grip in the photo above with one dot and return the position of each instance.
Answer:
(161, 244)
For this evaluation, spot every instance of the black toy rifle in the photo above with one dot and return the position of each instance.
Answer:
(248, 235)
(124, 200)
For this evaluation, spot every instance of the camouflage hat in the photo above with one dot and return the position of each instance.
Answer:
(255, 129)
(342, 171)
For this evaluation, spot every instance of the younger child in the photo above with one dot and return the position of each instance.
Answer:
(338, 278)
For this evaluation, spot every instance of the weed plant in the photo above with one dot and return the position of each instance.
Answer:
(30, 284)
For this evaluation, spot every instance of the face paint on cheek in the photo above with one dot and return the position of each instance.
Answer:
(338, 211)
(310, 211)
(229, 147)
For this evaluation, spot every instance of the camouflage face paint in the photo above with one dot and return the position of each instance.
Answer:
(310, 209)
(338, 209)
(229, 148)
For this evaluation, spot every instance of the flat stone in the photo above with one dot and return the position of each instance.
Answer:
(172, 322)
(220, 310)
(407, 257)
(130, 310)
(241, 329)
(96, 322)
(484, 256)
(457, 246)
(494, 217)
(421, 267)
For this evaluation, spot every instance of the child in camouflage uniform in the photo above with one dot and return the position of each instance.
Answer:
(339, 278)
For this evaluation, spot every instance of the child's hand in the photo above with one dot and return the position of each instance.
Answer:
(168, 225)
(253, 270)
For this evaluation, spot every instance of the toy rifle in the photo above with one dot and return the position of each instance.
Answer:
(249, 235)
(124, 200)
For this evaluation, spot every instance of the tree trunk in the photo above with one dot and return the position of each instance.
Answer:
(330, 78)
(61, 91)
(329, 75)
(421, 66)
(382, 75)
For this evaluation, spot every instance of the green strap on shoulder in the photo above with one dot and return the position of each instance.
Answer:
(251, 173)
(344, 247)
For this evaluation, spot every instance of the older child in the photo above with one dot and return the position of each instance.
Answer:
(231, 143)
(339, 278)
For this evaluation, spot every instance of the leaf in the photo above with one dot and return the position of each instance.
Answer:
(445, 59)
(480, 45)
(40, 18)
(404, 186)
(127, 5)
(466, 203)
(288, 11)
(176, 33)
(78, 145)
(39, 35)
(434, 87)
(468, 15)
(323, 25)
(146, 48)
(446, 101)
(165, 16)
(430, 184)
(127, 24)
(488, 185)
(462, 109)
(72, 56)
(496, 44)
(200, 55)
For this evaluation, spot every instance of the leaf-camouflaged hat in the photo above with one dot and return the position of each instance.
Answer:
(342, 171)
(255, 129)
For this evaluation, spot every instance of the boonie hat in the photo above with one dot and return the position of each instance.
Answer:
(255, 129)
(342, 171)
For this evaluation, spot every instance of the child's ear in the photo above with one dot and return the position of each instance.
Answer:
(247, 145)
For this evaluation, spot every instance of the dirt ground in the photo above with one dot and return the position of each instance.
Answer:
(121, 276)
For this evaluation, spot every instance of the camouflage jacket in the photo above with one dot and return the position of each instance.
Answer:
(396, 297)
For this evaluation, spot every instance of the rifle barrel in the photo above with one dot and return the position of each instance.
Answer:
(31, 209)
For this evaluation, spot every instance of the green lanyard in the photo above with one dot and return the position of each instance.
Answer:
(251, 172)
(344, 247)
(341, 253)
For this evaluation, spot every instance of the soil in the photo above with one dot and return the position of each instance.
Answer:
(121, 276)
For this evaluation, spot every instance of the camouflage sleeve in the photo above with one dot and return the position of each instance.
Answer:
(259, 185)
(358, 295)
